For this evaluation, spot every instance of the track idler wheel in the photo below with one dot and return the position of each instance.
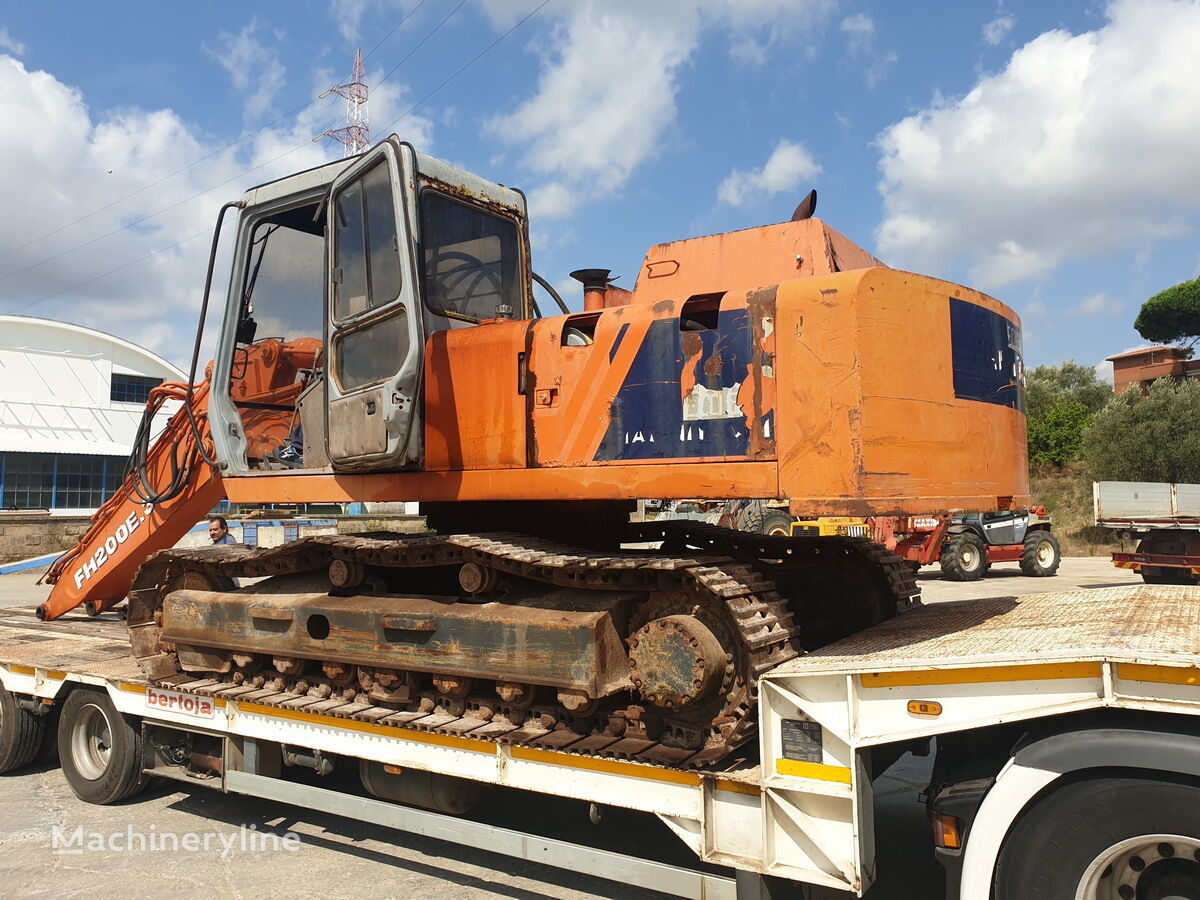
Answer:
(676, 660)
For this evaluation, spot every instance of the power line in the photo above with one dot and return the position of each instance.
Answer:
(299, 109)
(388, 127)
(383, 39)
(466, 65)
(110, 271)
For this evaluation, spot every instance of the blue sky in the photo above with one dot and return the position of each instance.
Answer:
(1042, 152)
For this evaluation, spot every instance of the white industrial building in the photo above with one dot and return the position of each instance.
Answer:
(70, 402)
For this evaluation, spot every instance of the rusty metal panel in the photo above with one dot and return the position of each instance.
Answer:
(550, 641)
(475, 413)
(657, 383)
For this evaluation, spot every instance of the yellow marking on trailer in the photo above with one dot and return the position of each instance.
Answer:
(56, 674)
(419, 737)
(610, 766)
(131, 688)
(737, 787)
(20, 670)
(982, 674)
(816, 771)
(1158, 674)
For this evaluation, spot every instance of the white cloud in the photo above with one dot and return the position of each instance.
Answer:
(253, 67)
(789, 167)
(606, 95)
(1081, 145)
(10, 44)
(998, 29)
(77, 162)
(1098, 305)
(1035, 309)
(552, 200)
(349, 14)
(860, 32)
(862, 48)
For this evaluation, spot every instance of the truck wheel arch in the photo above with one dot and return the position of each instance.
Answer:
(1041, 766)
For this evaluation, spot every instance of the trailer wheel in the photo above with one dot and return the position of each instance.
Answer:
(100, 751)
(1041, 555)
(1114, 837)
(964, 558)
(1168, 575)
(767, 520)
(20, 734)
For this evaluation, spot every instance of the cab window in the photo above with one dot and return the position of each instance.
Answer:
(471, 260)
(366, 262)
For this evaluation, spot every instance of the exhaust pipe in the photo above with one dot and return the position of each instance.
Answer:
(595, 285)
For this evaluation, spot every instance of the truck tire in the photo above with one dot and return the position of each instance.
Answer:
(1167, 575)
(1041, 555)
(20, 734)
(964, 557)
(100, 750)
(1105, 837)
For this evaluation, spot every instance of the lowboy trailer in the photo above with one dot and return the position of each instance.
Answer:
(1065, 729)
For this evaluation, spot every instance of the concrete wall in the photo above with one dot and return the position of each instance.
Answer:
(33, 534)
(24, 535)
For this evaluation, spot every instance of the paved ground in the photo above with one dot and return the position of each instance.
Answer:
(340, 858)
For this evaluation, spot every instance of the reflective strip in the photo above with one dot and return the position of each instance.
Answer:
(20, 670)
(983, 674)
(530, 754)
(737, 787)
(56, 675)
(608, 766)
(1158, 674)
(130, 688)
(816, 771)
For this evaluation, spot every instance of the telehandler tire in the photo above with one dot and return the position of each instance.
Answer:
(20, 734)
(768, 520)
(775, 522)
(101, 752)
(964, 558)
(1041, 555)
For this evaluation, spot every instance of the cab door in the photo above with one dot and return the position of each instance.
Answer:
(375, 337)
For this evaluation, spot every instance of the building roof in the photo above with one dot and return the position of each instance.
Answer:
(1179, 352)
(52, 325)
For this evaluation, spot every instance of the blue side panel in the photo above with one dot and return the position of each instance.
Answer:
(649, 420)
(986, 350)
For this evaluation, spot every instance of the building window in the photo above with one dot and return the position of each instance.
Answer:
(58, 481)
(131, 388)
(28, 480)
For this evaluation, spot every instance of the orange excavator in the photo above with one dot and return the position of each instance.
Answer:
(381, 341)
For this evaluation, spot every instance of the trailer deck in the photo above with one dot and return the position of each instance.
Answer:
(801, 807)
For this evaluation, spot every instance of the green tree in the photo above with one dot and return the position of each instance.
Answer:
(1059, 403)
(1056, 435)
(1171, 315)
(1155, 437)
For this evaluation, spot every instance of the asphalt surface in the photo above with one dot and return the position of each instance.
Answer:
(335, 857)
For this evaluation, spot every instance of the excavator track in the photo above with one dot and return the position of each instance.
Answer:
(726, 584)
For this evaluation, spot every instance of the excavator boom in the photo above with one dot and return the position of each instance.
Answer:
(170, 483)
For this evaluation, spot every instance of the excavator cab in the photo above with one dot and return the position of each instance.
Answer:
(340, 274)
